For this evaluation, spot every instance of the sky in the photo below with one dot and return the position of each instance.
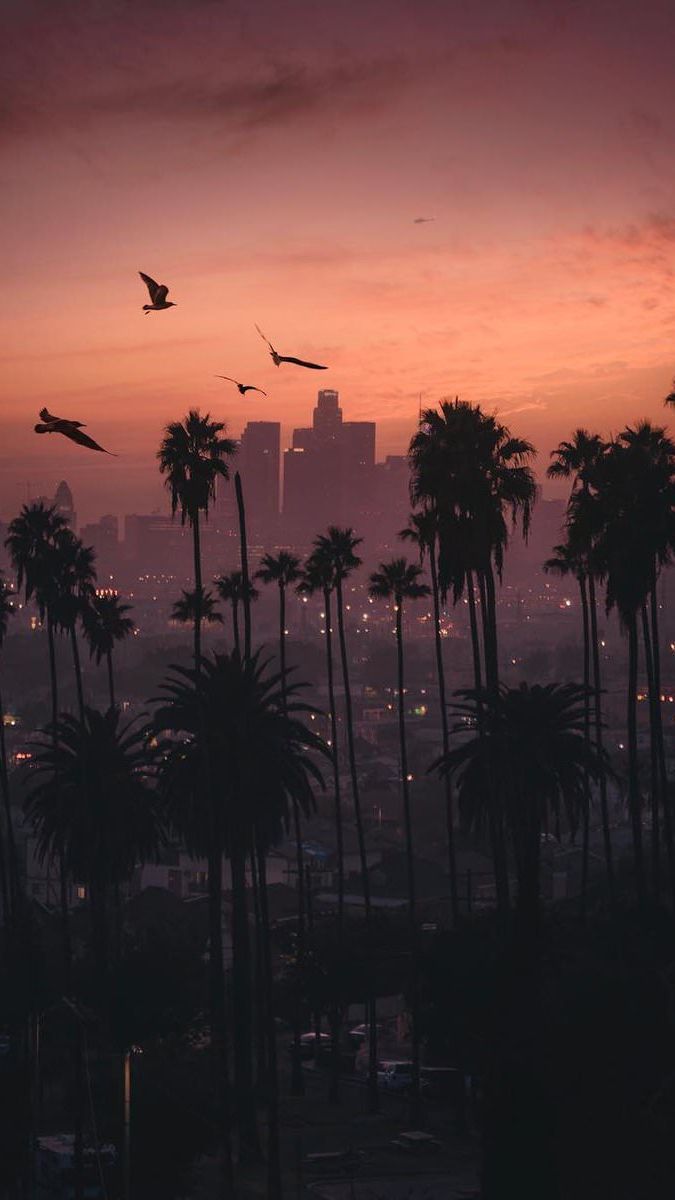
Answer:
(268, 160)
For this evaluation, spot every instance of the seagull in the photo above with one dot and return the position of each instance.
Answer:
(278, 359)
(158, 295)
(243, 387)
(423, 220)
(69, 429)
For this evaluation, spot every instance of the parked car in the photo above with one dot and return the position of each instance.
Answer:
(360, 1033)
(394, 1076)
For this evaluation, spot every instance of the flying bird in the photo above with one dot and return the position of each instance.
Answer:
(423, 220)
(278, 359)
(69, 429)
(158, 295)
(243, 387)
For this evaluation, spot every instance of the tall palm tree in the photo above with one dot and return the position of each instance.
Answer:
(102, 841)
(397, 581)
(9, 866)
(538, 736)
(423, 532)
(185, 608)
(578, 460)
(283, 570)
(230, 588)
(74, 580)
(192, 457)
(105, 624)
(263, 762)
(565, 562)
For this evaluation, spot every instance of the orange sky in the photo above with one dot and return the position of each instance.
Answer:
(267, 162)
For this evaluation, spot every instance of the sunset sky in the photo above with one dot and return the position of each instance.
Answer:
(267, 161)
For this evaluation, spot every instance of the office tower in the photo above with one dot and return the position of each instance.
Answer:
(258, 464)
(64, 504)
(103, 536)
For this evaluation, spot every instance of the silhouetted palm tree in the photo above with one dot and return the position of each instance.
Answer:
(282, 569)
(537, 735)
(423, 531)
(192, 457)
(106, 829)
(670, 398)
(105, 623)
(230, 588)
(74, 580)
(578, 460)
(397, 581)
(184, 609)
(263, 763)
(9, 867)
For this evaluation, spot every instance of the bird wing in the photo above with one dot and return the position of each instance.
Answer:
(158, 291)
(228, 377)
(248, 387)
(82, 439)
(46, 416)
(265, 339)
(300, 362)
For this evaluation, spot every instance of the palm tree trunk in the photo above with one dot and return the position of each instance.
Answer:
(597, 688)
(440, 675)
(655, 789)
(197, 556)
(496, 819)
(111, 679)
(586, 818)
(491, 643)
(358, 818)
(11, 883)
(633, 777)
(258, 981)
(475, 639)
(218, 1017)
(665, 795)
(78, 671)
(274, 1183)
(339, 832)
(235, 626)
(410, 862)
(249, 1149)
(244, 564)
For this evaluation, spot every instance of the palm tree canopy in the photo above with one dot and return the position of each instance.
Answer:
(231, 587)
(191, 457)
(31, 542)
(185, 609)
(398, 580)
(262, 757)
(670, 398)
(535, 734)
(110, 825)
(577, 458)
(282, 568)
(338, 547)
(6, 608)
(74, 578)
(318, 573)
(566, 560)
(105, 622)
(422, 529)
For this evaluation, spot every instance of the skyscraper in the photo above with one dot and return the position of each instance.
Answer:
(64, 504)
(258, 465)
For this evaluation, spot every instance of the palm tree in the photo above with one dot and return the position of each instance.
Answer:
(263, 762)
(397, 581)
(9, 867)
(670, 398)
(74, 580)
(230, 588)
(283, 570)
(184, 609)
(105, 623)
(565, 562)
(192, 457)
(423, 531)
(578, 460)
(103, 840)
(338, 548)
(538, 739)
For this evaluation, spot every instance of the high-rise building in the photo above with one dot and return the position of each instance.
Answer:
(328, 471)
(103, 535)
(64, 504)
(258, 465)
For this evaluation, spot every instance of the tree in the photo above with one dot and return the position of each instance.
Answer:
(184, 609)
(578, 460)
(104, 829)
(263, 759)
(74, 582)
(670, 398)
(230, 588)
(105, 623)
(192, 457)
(423, 531)
(397, 581)
(537, 735)
(9, 865)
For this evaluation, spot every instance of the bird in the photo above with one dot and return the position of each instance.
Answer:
(243, 387)
(158, 295)
(278, 359)
(423, 220)
(69, 429)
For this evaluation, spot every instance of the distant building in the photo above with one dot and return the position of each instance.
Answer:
(64, 504)
(258, 463)
(103, 535)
